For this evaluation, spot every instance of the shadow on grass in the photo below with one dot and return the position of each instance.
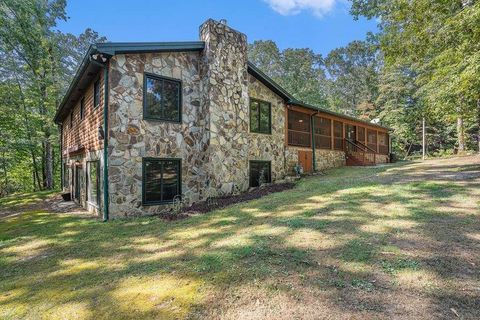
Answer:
(345, 236)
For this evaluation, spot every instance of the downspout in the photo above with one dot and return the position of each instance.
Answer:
(312, 123)
(105, 138)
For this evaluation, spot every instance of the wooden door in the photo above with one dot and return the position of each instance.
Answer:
(305, 160)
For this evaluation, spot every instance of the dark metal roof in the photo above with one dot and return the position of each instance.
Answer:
(275, 87)
(340, 115)
(88, 69)
(113, 48)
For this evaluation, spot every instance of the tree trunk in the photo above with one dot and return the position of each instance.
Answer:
(48, 164)
(460, 134)
(478, 124)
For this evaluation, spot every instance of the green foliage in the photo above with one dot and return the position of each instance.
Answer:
(38, 62)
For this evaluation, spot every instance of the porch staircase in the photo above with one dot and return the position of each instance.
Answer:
(359, 154)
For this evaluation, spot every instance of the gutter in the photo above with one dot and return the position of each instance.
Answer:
(105, 137)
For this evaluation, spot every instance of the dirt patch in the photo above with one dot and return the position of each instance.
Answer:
(221, 202)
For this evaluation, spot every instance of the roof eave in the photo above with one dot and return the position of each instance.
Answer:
(309, 106)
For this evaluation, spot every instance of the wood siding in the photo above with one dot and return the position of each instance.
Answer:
(82, 135)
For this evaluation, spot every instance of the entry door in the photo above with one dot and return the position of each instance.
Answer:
(78, 182)
(351, 132)
(305, 160)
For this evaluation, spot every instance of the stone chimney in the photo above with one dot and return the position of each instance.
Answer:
(225, 100)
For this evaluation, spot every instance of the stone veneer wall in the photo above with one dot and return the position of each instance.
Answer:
(131, 137)
(225, 97)
(270, 147)
(324, 159)
(327, 159)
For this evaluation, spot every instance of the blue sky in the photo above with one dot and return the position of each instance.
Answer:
(321, 25)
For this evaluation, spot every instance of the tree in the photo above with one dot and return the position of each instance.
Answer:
(38, 63)
(353, 74)
(438, 39)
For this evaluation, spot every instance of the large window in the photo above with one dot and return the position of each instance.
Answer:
(337, 135)
(96, 94)
(299, 129)
(372, 139)
(260, 116)
(323, 133)
(93, 181)
(161, 180)
(162, 98)
(260, 173)
(383, 143)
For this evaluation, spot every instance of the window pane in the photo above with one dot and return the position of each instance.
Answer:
(162, 99)
(298, 129)
(265, 117)
(254, 116)
(260, 173)
(93, 181)
(96, 93)
(153, 180)
(161, 180)
(170, 180)
(171, 100)
(154, 98)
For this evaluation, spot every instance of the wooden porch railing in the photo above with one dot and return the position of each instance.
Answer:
(359, 154)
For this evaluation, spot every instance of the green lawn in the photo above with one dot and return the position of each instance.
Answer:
(383, 242)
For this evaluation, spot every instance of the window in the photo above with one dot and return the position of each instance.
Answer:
(161, 98)
(372, 139)
(383, 143)
(361, 134)
(337, 135)
(298, 129)
(66, 172)
(260, 116)
(71, 120)
(161, 180)
(260, 173)
(82, 108)
(93, 181)
(323, 133)
(96, 94)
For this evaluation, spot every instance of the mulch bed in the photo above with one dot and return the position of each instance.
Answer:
(221, 202)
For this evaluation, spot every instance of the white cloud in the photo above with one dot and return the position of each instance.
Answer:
(290, 7)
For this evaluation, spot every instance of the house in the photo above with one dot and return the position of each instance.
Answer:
(145, 126)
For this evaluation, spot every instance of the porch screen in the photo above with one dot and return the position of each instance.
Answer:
(323, 133)
(298, 129)
(383, 143)
(372, 139)
(361, 134)
(337, 135)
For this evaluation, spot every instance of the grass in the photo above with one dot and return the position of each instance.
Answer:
(357, 242)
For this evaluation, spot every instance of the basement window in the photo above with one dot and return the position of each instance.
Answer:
(161, 98)
(260, 116)
(260, 173)
(161, 180)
